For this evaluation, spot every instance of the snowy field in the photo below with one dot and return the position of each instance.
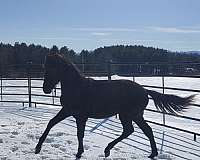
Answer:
(20, 129)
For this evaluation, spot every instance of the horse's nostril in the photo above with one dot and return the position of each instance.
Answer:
(46, 90)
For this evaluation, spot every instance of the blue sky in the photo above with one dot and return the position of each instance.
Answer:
(88, 24)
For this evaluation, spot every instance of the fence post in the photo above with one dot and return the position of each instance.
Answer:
(195, 137)
(1, 72)
(163, 90)
(109, 75)
(29, 91)
(29, 83)
(53, 95)
(1, 88)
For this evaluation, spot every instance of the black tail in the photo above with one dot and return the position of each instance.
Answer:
(168, 103)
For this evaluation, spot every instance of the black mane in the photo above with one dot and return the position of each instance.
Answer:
(60, 59)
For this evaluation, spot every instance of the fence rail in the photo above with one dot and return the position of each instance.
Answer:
(31, 98)
(109, 67)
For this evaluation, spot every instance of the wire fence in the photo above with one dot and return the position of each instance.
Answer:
(28, 92)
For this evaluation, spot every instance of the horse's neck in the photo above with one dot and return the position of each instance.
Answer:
(71, 82)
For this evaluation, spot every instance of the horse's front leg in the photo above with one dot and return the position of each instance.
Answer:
(62, 114)
(80, 122)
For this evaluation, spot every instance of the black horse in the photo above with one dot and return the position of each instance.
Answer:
(85, 98)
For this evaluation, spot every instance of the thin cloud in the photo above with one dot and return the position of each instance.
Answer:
(100, 33)
(53, 38)
(175, 30)
(102, 29)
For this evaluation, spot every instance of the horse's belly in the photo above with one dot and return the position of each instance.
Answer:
(102, 111)
(101, 116)
(106, 106)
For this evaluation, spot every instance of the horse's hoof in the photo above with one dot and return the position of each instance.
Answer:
(37, 149)
(107, 153)
(78, 155)
(153, 155)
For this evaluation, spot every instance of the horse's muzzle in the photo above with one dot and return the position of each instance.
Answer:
(46, 89)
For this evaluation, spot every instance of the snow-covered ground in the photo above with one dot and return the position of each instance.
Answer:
(20, 129)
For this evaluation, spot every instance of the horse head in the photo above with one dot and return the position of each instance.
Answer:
(58, 68)
(52, 71)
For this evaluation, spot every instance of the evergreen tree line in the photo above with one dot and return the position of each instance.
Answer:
(20, 59)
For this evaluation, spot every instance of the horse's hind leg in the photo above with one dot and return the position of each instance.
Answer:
(148, 132)
(127, 130)
(59, 117)
(80, 122)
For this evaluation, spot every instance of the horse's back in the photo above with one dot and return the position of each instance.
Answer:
(116, 96)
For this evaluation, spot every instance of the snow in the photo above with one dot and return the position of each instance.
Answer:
(21, 127)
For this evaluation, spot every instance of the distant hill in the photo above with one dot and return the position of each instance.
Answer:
(15, 59)
(193, 52)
